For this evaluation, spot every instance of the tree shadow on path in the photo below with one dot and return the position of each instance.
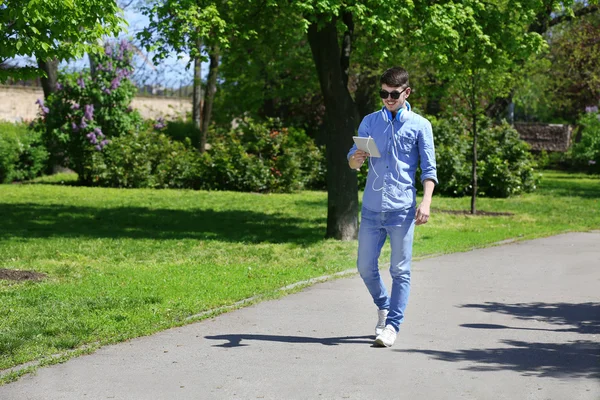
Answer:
(582, 318)
(575, 359)
(559, 359)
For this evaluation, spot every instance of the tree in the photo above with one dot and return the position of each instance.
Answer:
(197, 28)
(481, 44)
(53, 30)
(574, 58)
(327, 25)
(485, 33)
(270, 73)
(550, 17)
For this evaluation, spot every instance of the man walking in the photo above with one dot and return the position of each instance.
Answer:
(389, 201)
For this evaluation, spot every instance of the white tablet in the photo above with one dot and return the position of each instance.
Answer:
(367, 144)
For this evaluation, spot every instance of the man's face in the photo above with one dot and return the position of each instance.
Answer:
(393, 105)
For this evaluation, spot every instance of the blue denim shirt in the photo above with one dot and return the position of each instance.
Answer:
(401, 141)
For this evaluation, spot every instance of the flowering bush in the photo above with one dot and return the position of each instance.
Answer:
(262, 157)
(257, 157)
(89, 109)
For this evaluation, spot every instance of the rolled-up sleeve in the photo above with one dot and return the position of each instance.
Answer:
(427, 153)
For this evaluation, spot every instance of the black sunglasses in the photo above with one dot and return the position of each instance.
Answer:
(395, 94)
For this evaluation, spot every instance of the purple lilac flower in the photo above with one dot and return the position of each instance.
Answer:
(59, 86)
(108, 49)
(104, 142)
(81, 82)
(83, 124)
(89, 112)
(43, 108)
(92, 138)
(114, 84)
(160, 123)
(591, 109)
(592, 162)
(74, 127)
(98, 132)
(99, 148)
(75, 106)
(124, 47)
(107, 91)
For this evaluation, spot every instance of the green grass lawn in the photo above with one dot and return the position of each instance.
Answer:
(126, 263)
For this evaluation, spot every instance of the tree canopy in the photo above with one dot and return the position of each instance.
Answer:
(47, 29)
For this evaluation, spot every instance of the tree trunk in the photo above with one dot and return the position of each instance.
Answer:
(498, 107)
(93, 65)
(197, 95)
(347, 46)
(341, 121)
(474, 177)
(365, 102)
(209, 97)
(50, 67)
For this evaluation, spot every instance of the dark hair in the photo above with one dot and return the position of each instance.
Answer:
(394, 77)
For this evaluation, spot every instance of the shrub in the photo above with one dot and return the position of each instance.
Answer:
(453, 156)
(259, 157)
(262, 157)
(505, 166)
(585, 154)
(145, 160)
(22, 154)
(181, 130)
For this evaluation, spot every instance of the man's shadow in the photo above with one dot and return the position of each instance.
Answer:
(235, 340)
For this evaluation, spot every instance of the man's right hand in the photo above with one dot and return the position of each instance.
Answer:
(358, 159)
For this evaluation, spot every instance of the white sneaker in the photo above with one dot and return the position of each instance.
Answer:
(381, 317)
(387, 337)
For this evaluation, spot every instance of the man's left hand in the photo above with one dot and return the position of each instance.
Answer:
(422, 215)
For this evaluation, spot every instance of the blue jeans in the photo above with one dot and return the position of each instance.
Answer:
(373, 231)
